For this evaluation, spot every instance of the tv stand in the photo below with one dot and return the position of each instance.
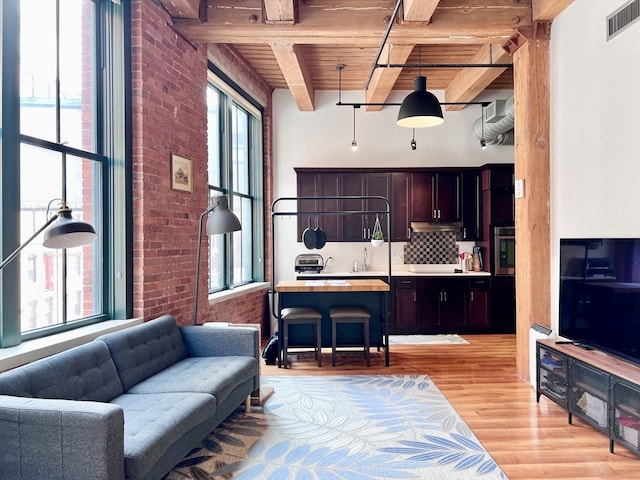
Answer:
(599, 388)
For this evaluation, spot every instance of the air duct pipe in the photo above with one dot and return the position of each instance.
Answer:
(499, 132)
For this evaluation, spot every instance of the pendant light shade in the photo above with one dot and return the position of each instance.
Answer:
(420, 108)
(68, 232)
(221, 219)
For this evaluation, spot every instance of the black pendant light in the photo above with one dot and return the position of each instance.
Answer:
(420, 108)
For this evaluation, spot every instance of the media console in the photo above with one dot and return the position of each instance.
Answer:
(599, 388)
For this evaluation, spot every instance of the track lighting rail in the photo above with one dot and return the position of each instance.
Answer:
(443, 65)
(392, 104)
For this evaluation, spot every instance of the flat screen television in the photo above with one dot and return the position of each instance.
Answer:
(600, 294)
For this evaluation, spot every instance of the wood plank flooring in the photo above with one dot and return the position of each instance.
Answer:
(529, 440)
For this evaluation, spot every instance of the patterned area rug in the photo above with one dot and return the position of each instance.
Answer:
(450, 339)
(356, 427)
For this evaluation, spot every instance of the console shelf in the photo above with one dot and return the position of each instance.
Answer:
(602, 390)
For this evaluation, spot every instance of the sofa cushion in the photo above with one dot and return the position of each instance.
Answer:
(86, 372)
(154, 422)
(218, 376)
(144, 350)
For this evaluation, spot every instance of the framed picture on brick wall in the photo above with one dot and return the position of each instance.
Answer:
(181, 174)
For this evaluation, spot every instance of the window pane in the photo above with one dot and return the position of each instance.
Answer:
(77, 66)
(240, 150)
(216, 262)
(38, 69)
(213, 135)
(243, 242)
(51, 279)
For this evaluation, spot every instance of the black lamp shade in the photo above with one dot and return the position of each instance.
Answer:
(420, 108)
(221, 219)
(68, 232)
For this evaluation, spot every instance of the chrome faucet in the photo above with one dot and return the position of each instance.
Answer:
(326, 263)
(364, 264)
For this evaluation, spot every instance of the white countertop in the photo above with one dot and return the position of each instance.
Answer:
(395, 272)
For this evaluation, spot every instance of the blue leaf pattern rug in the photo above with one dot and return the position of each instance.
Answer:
(359, 427)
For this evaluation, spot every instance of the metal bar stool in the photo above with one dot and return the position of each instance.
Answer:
(302, 316)
(345, 315)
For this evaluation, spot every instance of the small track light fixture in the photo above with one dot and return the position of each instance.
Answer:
(483, 143)
(354, 143)
(414, 145)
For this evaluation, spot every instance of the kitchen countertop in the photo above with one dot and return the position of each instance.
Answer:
(394, 273)
(322, 285)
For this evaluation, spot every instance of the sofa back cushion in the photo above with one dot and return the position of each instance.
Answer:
(144, 350)
(86, 372)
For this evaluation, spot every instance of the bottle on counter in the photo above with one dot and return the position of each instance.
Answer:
(476, 262)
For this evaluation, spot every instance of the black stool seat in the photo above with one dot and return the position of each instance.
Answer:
(345, 315)
(302, 316)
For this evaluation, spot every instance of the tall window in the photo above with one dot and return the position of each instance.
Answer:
(57, 69)
(235, 170)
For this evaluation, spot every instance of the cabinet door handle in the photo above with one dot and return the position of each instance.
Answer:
(414, 296)
(364, 233)
(440, 296)
(445, 296)
(435, 213)
(464, 232)
(472, 296)
(408, 232)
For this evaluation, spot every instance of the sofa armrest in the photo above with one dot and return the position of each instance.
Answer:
(206, 341)
(49, 438)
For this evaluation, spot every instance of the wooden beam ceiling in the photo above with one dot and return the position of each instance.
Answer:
(297, 44)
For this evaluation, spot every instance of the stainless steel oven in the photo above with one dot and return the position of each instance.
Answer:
(504, 253)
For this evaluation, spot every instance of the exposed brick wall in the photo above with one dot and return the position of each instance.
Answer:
(169, 78)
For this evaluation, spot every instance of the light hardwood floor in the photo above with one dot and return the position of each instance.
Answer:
(529, 440)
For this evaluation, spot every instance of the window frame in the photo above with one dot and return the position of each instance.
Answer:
(113, 146)
(231, 95)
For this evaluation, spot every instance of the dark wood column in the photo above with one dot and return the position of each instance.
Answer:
(530, 49)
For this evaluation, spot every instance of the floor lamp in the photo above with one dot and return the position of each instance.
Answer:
(68, 232)
(221, 220)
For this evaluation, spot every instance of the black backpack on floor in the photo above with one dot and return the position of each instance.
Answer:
(270, 351)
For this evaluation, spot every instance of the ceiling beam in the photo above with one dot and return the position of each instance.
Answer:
(296, 74)
(419, 10)
(383, 79)
(230, 21)
(182, 8)
(547, 10)
(470, 82)
(279, 11)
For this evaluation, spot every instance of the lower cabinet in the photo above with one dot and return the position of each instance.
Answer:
(440, 305)
(601, 390)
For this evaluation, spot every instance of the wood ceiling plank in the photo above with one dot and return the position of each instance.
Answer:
(295, 72)
(279, 11)
(384, 79)
(182, 8)
(419, 10)
(470, 82)
(547, 10)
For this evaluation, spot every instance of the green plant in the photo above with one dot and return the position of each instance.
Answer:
(377, 235)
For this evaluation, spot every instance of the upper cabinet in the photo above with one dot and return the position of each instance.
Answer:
(436, 197)
(473, 197)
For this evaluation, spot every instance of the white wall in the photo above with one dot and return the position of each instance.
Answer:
(323, 139)
(595, 129)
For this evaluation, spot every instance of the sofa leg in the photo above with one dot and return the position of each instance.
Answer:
(247, 404)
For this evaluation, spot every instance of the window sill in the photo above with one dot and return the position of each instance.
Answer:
(237, 292)
(26, 352)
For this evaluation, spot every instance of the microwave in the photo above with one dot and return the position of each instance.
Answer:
(504, 254)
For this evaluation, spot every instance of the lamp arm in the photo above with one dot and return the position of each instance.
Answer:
(195, 301)
(15, 253)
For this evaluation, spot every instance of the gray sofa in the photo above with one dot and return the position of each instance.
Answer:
(130, 404)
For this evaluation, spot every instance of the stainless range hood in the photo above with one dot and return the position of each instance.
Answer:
(425, 227)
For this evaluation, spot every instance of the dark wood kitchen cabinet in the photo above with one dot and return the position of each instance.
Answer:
(319, 185)
(442, 304)
(471, 203)
(404, 317)
(401, 211)
(436, 197)
(358, 227)
(479, 302)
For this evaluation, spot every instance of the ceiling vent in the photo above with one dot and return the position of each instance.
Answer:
(622, 18)
(494, 111)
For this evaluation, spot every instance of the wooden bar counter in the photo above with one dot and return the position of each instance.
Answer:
(372, 294)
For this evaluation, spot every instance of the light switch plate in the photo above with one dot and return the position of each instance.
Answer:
(519, 188)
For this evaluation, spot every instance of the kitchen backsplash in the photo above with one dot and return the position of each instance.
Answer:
(431, 248)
